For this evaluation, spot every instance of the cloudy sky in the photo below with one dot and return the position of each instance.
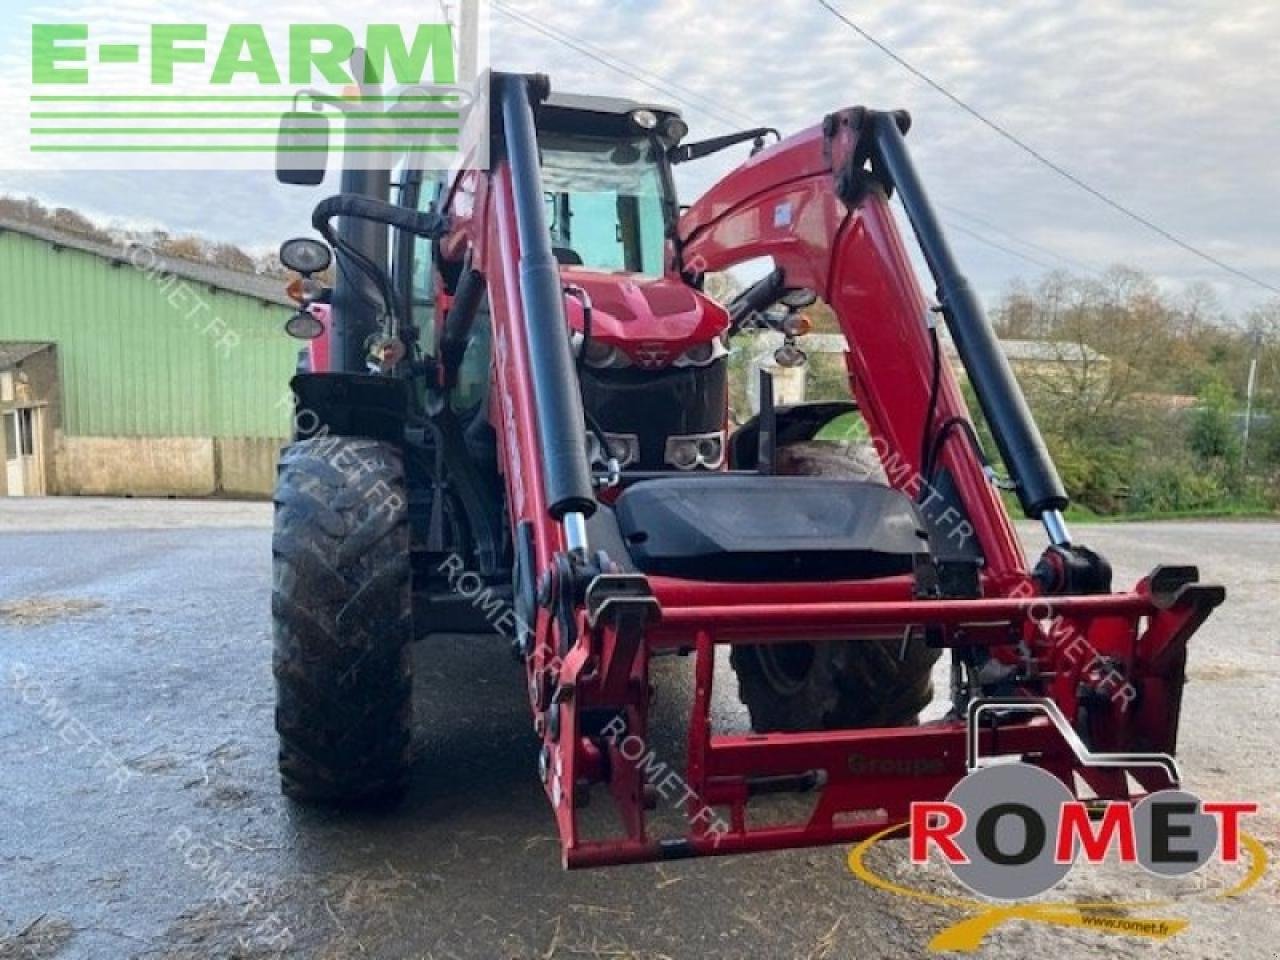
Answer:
(1170, 108)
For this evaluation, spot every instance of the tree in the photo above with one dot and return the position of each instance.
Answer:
(1213, 435)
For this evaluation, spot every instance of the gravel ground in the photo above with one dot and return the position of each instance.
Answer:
(139, 815)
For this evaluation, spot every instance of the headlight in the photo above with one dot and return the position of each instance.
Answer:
(699, 450)
(703, 355)
(623, 447)
(600, 355)
(797, 325)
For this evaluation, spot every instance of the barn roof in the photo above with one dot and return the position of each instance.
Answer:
(266, 289)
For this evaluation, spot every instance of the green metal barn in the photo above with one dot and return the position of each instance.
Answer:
(123, 372)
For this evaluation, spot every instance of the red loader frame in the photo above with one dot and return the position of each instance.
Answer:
(818, 204)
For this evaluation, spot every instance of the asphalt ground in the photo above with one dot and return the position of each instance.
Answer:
(140, 816)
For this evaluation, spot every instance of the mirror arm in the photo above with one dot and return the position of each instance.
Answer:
(705, 148)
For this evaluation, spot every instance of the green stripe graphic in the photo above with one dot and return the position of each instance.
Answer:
(224, 131)
(174, 98)
(229, 148)
(224, 115)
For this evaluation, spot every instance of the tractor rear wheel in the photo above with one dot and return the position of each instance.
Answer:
(342, 622)
(840, 684)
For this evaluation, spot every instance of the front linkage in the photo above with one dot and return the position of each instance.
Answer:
(1111, 663)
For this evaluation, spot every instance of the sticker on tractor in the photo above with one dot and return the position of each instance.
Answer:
(1010, 832)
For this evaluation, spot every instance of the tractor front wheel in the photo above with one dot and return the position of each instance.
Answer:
(342, 622)
(840, 684)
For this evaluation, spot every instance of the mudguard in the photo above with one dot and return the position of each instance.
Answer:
(350, 405)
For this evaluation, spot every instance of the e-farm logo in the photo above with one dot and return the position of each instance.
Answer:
(203, 94)
(60, 53)
(1011, 832)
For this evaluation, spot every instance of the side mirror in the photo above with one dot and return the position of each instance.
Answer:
(304, 325)
(305, 256)
(302, 150)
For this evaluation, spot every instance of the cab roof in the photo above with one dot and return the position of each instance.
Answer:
(600, 116)
(615, 106)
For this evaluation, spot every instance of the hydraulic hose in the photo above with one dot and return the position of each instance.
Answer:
(364, 208)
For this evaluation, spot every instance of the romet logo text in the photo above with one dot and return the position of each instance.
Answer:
(61, 54)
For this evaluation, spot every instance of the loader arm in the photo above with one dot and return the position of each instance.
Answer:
(818, 205)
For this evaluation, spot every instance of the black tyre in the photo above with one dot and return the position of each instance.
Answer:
(838, 685)
(342, 622)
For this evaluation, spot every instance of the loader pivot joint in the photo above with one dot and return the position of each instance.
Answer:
(851, 150)
(1072, 570)
(564, 590)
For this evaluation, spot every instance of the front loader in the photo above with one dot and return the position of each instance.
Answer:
(546, 414)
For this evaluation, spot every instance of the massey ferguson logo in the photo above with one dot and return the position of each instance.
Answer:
(651, 355)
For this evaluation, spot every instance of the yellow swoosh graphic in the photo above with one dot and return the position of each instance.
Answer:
(967, 935)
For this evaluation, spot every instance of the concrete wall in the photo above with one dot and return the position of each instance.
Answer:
(166, 466)
(246, 466)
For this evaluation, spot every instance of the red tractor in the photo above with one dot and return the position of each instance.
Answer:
(533, 396)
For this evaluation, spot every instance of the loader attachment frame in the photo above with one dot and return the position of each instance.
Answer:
(818, 205)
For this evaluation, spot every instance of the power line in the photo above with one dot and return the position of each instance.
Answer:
(960, 228)
(1041, 158)
(657, 80)
(634, 72)
(675, 90)
(987, 224)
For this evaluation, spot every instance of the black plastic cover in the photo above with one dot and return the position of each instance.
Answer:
(768, 528)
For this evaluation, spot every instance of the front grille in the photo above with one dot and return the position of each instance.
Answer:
(657, 405)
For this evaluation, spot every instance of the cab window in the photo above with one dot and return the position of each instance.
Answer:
(604, 203)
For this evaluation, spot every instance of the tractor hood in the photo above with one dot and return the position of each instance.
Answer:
(654, 321)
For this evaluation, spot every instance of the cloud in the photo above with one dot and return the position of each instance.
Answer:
(1165, 107)
(1157, 105)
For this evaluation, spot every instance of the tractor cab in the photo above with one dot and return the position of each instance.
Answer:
(610, 201)
(651, 351)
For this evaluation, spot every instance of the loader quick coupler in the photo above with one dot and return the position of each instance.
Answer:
(619, 604)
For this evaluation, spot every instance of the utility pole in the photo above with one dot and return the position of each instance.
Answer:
(467, 34)
(1248, 408)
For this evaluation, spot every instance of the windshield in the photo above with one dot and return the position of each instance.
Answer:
(604, 203)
